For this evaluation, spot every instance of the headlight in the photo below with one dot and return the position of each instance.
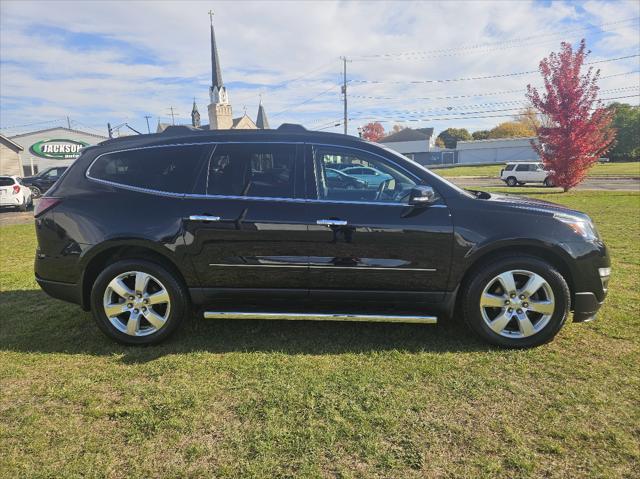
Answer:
(584, 228)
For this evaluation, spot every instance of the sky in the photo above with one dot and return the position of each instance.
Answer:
(418, 64)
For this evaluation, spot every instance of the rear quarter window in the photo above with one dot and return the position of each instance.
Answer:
(172, 169)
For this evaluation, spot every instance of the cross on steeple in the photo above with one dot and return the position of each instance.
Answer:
(211, 16)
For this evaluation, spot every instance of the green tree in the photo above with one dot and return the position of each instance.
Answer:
(451, 136)
(480, 134)
(626, 120)
(440, 143)
(512, 129)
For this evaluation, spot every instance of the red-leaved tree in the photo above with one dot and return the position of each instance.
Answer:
(373, 131)
(576, 130)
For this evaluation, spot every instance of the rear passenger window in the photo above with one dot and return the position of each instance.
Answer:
(259, 170)
(522, 168)
(170, 169)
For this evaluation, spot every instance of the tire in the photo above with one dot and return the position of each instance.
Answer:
(161, 318)
(522, 327)
(35, 192)
(548, 182)
(511, 181)
(23, 207)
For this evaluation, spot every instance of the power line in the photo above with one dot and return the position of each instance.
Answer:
(332, 87)
(486, 77)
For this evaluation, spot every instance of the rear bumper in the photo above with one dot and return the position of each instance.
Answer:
(585, 307)
(69, 292)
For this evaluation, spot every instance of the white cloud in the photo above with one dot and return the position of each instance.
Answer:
(153, 55)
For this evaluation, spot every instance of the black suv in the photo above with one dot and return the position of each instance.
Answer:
(40, 183)
(244, 224)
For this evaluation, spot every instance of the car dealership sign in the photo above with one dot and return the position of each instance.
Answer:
(58, 149)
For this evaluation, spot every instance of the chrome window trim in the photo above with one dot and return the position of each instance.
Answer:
(246, 198)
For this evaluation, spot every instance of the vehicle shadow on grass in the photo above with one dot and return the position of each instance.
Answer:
(30, 321)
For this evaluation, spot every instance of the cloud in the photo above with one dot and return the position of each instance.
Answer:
(115, 61)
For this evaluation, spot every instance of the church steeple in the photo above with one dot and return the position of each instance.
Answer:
(195, 115)
(261, 121)
(220, 113)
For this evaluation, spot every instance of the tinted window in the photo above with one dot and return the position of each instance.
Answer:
(390, 184)
(509, 167)
(523, 168)
(4, 181)
(171, 169)
(261, 170)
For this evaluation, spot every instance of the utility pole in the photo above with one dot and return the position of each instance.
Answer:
(344, 91)
(146, 117)
(109, 130)
(173, 120)
(68, 122)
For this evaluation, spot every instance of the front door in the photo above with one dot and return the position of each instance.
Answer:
(247, 227)
(369, 238)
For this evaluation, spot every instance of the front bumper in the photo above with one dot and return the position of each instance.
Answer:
(585, 307)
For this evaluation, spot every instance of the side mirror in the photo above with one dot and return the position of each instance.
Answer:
(422, 195)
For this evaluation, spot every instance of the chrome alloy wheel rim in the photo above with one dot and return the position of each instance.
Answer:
(136, 303)
(517, 304)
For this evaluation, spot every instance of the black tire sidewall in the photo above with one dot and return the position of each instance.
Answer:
(177, 295)
(511, 181)
(485, 273)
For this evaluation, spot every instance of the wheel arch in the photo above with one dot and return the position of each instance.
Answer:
(555, 256)
(119, 250)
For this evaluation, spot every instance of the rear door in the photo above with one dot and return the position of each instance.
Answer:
(370, 239)
(246, 224)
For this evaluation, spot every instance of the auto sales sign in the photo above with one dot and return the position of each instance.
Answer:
(58, 149)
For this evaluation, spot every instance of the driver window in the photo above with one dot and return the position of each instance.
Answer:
(351, 175)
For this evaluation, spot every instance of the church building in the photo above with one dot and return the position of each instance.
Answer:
(219, 111)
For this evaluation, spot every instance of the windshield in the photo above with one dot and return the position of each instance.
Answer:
(440, 178)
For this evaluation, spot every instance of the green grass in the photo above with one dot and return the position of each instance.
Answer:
(303, 399)
(629, 169)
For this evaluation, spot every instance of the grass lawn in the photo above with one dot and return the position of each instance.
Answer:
(629, 169)
(302, 399)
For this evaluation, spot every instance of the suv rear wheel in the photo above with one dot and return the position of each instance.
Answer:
(511, 181)
(516, 302)
(138, 302)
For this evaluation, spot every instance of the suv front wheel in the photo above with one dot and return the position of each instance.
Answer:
(516, 302)
(138, 302)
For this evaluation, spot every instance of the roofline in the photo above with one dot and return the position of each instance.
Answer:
(489, 140)
(8, 140)
(58, 128)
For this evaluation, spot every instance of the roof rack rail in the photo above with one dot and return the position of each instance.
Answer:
(291, 127)
(180, 129)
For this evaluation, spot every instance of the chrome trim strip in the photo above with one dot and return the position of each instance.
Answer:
(204, 218)
(331, 222)
(321, 317)
(343, 268)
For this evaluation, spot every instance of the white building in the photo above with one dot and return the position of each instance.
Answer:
(495, 151)
(52, 147)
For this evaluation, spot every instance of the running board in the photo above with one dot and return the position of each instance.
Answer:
(384, 318)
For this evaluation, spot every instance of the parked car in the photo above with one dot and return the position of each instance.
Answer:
(371, 176)
(338, 179)
(243, 224)
(523, 172)
(40, 183)
(14, 193)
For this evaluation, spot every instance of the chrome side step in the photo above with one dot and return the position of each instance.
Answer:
(384, 318)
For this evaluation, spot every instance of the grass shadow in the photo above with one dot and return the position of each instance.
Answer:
(30, 321)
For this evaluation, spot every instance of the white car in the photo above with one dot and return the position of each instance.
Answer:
(14, 193)
(522, 172)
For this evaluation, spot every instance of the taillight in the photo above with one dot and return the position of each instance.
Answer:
(45, 204)
(16, 189)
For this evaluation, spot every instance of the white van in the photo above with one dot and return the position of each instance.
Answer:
(522, 172)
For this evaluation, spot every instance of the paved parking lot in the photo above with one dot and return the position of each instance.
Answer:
(11, 216)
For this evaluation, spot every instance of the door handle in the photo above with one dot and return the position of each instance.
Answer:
(204, 218)
(332, 222)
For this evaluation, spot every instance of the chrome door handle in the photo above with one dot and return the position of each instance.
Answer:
(204, 218)
(332, 222)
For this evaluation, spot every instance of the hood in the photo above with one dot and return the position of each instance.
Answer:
(532, 204)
